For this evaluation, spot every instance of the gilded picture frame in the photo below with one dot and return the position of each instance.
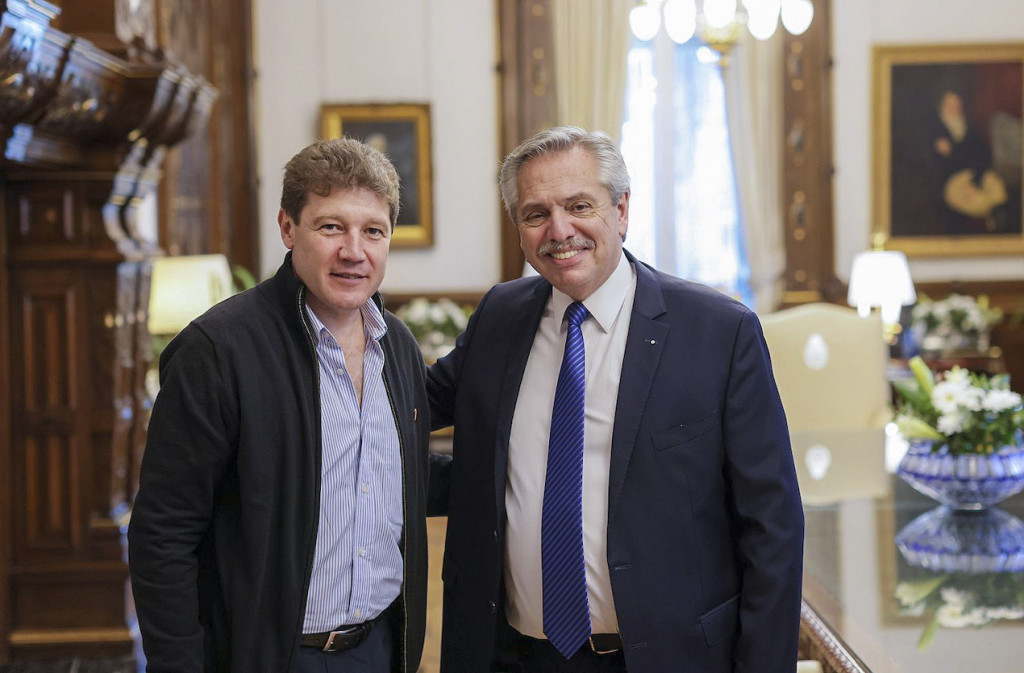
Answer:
(947, 149)
(402, 132)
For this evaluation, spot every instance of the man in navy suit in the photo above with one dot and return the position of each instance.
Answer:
(681, 486)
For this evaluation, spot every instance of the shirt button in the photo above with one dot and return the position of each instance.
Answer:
(365, 488)
(362, 551)
(340, 370)
(359, 613)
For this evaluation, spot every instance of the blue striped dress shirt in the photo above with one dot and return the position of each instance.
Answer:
(357, 569)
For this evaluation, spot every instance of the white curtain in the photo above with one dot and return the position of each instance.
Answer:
(591, 39)
(753, 95)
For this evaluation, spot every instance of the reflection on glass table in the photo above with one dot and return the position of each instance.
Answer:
(899, 585)
(837, 465)
(973, 562)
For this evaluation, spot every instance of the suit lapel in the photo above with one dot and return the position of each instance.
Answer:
(644, 344)
(522, 318)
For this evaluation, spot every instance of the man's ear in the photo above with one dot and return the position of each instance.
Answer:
(287, 226)
(622, 210)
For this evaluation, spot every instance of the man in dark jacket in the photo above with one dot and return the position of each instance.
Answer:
(623, 495)
(279, 524)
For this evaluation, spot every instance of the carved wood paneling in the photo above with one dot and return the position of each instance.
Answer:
(85, 134)
(46, 449)
(61, 352)
(208, 194)
(807, 166)
(31, 62)
(528, 102)
(6, 463)
(46, 218)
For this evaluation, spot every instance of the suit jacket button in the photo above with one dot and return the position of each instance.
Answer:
(494, 607)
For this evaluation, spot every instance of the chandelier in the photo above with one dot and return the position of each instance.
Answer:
(717, 23)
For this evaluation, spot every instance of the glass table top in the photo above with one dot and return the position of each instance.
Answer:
(905, 584)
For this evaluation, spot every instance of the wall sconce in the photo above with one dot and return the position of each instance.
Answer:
(881, 278)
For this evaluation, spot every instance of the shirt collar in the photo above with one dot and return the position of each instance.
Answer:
(374, 326)
(605, 302)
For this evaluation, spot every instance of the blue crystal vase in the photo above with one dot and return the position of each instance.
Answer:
(965, 481)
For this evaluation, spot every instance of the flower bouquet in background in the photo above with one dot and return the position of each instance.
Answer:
(964, 434)
(434, 324)
(964, 411)
(961, 600)
(955, 324)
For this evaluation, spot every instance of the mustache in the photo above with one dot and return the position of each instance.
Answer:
(567, 244)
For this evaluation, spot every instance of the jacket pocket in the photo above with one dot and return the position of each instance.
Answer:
(680, 434)
(720, 622)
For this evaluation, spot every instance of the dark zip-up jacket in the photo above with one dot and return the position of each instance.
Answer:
(223, 529)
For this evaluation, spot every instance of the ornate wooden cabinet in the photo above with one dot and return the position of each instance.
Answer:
(84, 133)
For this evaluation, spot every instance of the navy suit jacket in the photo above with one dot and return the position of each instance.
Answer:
(705, 526)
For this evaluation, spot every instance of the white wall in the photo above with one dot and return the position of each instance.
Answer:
(858, 25)
(440, 52)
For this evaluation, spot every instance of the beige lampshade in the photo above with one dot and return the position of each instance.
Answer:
(881, 278)
(183, 288)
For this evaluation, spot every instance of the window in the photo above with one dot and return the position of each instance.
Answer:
(684, 212)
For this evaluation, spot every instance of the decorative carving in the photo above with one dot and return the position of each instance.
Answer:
(819, 643)
(84, 135)
(32, 59)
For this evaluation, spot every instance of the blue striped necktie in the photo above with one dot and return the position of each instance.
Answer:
(566, 610)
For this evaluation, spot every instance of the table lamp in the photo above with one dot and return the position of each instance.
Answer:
(881, 278)
(183, 288)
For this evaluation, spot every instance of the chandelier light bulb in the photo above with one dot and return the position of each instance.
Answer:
(797, 15)
(680, 20)
(644, 22)
(762, 17)
(719, 13)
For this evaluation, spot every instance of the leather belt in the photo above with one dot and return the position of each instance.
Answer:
(604, 643)
(598, 643)
(339, 640)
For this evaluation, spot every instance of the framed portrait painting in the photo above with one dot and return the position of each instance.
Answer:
(947, 149)
(402, 132)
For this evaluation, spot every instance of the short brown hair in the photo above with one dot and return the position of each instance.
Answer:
(340, 163)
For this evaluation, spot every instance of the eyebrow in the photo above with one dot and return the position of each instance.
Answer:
(584, 195)
(383, 221)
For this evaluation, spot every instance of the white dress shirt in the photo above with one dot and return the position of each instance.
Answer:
(604, 338)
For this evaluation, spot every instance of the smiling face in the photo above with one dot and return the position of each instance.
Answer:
(339, 250)
(569, 229)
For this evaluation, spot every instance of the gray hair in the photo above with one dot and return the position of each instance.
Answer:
(611, 167)
(340, 163)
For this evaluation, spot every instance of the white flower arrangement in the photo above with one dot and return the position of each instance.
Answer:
(959, 600)
(968, 412)
(434, 324)
(958, 322)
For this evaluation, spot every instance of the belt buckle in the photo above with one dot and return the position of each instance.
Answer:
(328, 646)
(594, 648)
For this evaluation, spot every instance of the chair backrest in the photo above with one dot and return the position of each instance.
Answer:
(830, 367)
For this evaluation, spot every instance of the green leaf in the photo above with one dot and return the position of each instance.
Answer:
(915, 428)
(925, 377)
(928, 635)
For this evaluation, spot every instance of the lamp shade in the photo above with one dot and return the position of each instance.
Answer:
(881, 278)
(183, 288)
